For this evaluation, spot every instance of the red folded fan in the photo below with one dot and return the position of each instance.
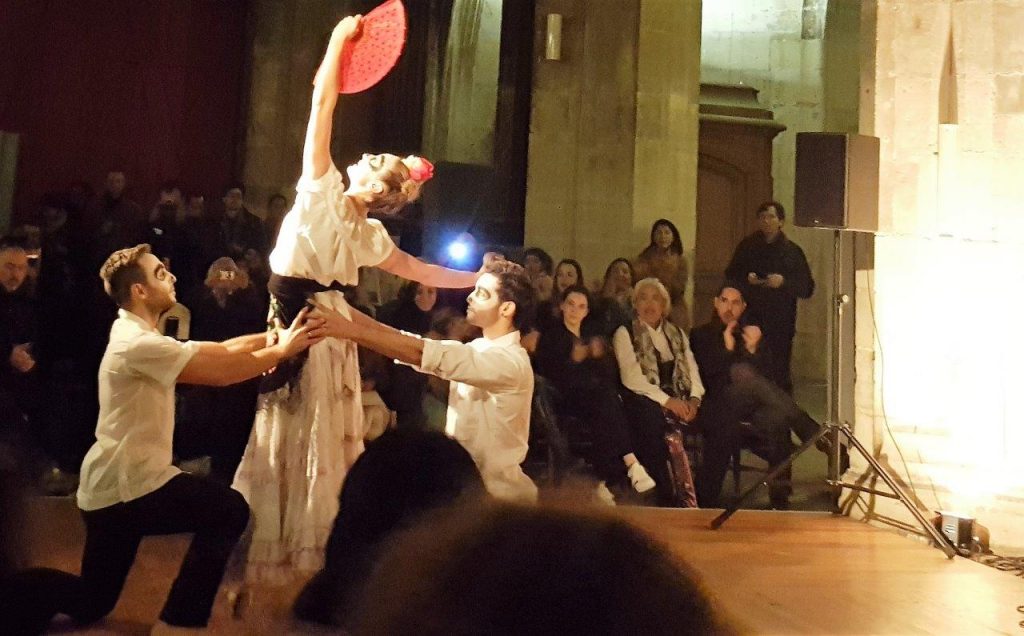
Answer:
(368, 58)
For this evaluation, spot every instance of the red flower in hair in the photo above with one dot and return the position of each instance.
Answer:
(419, 169)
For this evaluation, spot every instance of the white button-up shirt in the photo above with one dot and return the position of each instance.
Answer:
(488, 406)
(632, 375)
(135, 430)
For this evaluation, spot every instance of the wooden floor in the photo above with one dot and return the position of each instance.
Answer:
(771, 572)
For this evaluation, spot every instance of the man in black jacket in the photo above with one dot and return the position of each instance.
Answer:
(734, 362)
(773, 272)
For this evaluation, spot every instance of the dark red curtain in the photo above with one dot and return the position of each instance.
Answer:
(154, 87)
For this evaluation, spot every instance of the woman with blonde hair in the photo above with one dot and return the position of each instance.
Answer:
(309, 430)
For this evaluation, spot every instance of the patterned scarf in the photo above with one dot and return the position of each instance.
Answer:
(647, 355)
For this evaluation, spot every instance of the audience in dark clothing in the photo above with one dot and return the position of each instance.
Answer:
(773, 273)
(582, 370)
(613, 307)
(216, 421)
(734, 362)
(413, 311)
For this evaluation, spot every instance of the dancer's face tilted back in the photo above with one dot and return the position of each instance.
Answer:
(159, 286)
(377, 174)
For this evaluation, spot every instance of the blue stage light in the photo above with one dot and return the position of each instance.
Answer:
(458, 250)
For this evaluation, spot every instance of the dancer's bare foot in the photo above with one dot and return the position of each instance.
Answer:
(238, 602)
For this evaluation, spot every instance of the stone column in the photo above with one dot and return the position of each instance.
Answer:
(590, 192)
(668, 95)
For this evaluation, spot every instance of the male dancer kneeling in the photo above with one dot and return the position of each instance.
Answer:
(492, 382)
(128, 487)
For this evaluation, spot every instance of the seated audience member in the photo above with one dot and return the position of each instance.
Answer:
(216, 421)
(375, 378)
(613, 307)
(568, 273)
(413, 311)
(277, 207)
(399, 477)
(575, 362)
(240, 229)
(660, 378)
(19, 371)
(539, 267)
(253, 264)
(503, 569)
(112, 222)
(735, 363)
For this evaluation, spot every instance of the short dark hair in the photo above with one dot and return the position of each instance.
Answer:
(122, 270)
(514, 286)
(546, 262)
(729, 284)
(237, 185)
(779, 210)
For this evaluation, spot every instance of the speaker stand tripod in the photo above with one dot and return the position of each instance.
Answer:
(836, 432)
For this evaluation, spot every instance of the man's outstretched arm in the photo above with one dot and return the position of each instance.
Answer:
(492, 370)
(369, 333)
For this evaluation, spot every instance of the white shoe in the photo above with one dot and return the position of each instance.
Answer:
(604, 495)
(638, 476)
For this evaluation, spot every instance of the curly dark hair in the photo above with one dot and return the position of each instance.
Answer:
(779, 210)
(514, 286)
(547, 264)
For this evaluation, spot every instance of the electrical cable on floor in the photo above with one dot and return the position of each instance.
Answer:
(1013, 564)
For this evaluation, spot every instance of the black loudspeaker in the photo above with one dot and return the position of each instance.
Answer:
(836, 181)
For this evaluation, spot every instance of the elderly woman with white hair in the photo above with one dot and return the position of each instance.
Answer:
(660, 379)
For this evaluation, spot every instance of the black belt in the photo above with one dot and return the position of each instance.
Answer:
(293, 286)
(290, 295)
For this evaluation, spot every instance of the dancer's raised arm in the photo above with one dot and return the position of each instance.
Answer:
(316, 154)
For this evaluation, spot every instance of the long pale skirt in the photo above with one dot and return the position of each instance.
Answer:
(303, 442)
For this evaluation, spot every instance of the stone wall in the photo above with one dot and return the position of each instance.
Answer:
(287, 43)
(802, 58)
(613, 130)
(938, 289)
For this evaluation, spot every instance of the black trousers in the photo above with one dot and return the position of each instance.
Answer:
(216, 514)
(598, 404)
(772, 415)
(648, 429)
